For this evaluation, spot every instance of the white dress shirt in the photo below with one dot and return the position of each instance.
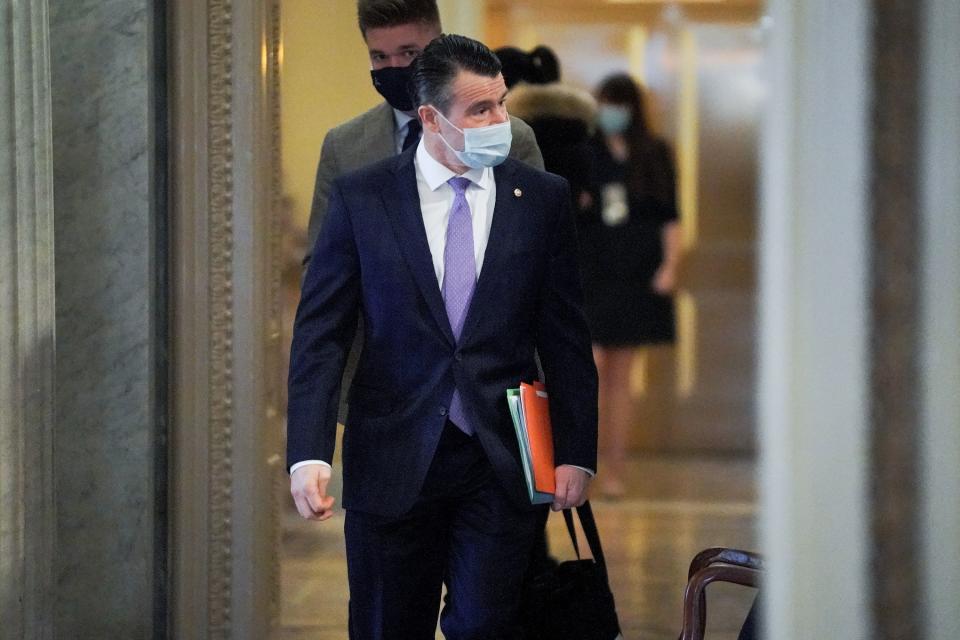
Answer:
(436, 200)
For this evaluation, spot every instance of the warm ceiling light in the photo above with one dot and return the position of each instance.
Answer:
(665, 1)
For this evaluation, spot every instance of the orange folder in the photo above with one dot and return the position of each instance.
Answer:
(536, 412)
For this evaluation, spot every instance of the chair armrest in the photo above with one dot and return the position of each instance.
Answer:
(694, 597)
(723, 555)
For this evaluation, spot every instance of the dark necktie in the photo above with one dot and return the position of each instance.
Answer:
(413, 134)
(459, 278)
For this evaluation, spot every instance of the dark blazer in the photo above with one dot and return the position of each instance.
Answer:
(372, 258)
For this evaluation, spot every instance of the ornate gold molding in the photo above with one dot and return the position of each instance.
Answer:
(220, 200)
(226, 306)
(274, 356)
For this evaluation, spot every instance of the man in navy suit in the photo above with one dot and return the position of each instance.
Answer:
(462, 263)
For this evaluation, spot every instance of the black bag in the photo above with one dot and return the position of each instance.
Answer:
(572, 601)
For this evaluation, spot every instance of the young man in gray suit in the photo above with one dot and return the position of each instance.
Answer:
(395, 32)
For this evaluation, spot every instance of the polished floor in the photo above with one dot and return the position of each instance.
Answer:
(674, 508)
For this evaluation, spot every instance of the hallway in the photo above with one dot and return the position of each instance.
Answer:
(674, 508)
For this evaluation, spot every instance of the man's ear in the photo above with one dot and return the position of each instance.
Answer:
(428, 118)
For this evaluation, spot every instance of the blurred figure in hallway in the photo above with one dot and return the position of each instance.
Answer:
(630, 255)
(562, 117)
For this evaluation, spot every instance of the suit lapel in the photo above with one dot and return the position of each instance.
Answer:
(408, 225)
(379, 136)
(502, 229)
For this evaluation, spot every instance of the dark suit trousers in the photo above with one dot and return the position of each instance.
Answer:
(464, 532)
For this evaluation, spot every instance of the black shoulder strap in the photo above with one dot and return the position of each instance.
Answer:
(568, 518)
(589, 526)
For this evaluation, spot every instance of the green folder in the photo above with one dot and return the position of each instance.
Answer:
(516, 412)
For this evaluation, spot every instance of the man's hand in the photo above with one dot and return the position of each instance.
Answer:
(572, 484)
(308, 484)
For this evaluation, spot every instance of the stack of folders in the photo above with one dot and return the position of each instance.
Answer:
(531, 419)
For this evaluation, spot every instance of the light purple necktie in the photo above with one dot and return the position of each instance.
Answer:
(459, 278)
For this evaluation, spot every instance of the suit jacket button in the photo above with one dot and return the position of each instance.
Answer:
(458, 356)
(443, 411)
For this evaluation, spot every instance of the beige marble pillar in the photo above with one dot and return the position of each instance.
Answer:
(26, 323)
(813, 321)
(940, 448)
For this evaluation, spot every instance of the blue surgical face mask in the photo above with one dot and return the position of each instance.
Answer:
(482, 146)
(612, 119)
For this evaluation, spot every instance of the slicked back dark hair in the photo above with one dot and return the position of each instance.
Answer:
(374, 14)
(437, 66)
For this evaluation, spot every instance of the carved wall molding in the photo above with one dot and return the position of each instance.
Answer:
(226, 310)
(276, 407)
(220, 199)
(27, 325)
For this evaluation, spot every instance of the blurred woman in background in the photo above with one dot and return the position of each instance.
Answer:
(630, 257)
(562, 117)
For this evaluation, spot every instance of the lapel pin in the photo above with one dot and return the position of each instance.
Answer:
(517, 192)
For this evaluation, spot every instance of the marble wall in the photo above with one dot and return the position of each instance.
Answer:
(101, 53)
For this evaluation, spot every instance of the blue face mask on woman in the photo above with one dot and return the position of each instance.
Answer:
(613, 119)
(482, 146)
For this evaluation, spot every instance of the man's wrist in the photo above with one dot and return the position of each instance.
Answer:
(305, 463)
(589, 472)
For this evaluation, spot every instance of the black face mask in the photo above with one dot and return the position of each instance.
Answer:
(395, 84)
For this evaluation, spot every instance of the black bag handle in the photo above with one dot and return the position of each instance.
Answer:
(589, 526)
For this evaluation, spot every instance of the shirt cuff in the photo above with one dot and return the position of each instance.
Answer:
(304, 463)
(590, 472)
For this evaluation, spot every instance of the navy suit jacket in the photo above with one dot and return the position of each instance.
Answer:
(372, 258)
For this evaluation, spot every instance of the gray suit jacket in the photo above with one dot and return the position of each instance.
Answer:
(369, 138)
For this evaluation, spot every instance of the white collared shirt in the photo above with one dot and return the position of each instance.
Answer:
(436, 199)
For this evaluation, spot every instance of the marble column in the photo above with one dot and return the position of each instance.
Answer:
(101, 69)
(813, 321)
(26, 324)
(940, 448)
